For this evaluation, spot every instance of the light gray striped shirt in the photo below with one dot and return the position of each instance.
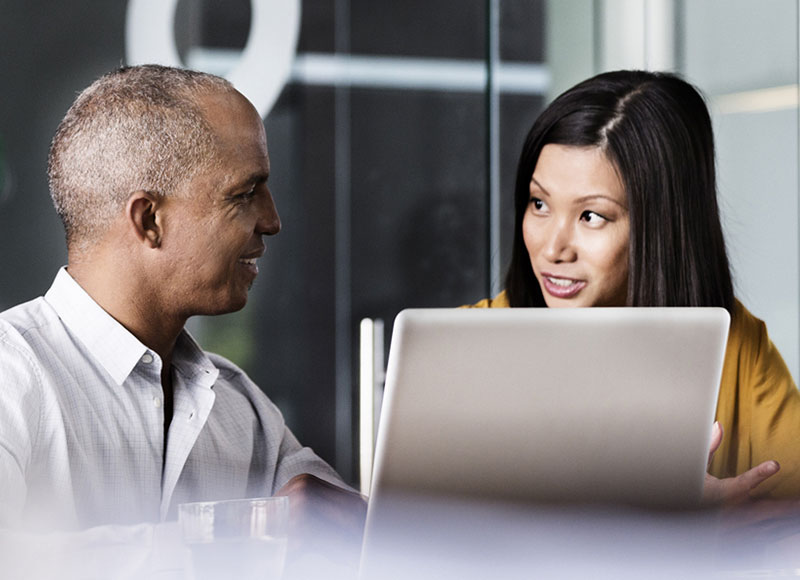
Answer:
(82, 422)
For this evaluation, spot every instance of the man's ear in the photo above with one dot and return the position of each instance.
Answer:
(142, 213)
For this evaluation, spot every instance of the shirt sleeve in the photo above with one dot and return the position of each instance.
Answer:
(295, 459)
(136, 551)
(775, 421)
(113, 551)
(20, 409)
(287, 456)
(759, 408)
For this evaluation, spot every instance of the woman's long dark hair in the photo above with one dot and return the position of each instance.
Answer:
(655, 129)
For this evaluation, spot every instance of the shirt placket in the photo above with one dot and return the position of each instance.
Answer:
(193, 401)
(149, 396)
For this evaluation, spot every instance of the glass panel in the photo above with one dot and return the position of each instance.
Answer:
(420, 28)
(379, 173)
(50, 51)
(418, 200)
(745, 60)
(521, 31)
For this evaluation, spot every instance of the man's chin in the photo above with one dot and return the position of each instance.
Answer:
(227, 306)
(235, 305)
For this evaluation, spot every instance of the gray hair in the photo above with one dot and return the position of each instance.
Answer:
(134, 129)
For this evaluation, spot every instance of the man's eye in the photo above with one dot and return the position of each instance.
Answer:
(246, 196)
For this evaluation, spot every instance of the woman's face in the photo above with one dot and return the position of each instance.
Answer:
(576, 228)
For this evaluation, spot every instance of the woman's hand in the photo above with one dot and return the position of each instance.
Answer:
(733, 490)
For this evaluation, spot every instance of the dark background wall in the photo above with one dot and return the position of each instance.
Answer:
(48, 51)
(414, 172)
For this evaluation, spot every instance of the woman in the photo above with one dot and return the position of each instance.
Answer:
(616, 205)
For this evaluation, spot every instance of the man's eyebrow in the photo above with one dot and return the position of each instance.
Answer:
(257, 177)
(253, 178)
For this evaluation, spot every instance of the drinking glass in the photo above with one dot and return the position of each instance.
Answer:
(242, 538)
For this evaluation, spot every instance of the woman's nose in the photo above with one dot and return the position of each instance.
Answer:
(560, 246)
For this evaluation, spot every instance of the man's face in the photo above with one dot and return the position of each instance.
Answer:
(213, 226)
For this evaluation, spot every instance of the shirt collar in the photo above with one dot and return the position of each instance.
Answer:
(114, 347)
(192, 362)
(111, 344)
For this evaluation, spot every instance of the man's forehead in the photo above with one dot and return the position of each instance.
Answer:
(229, 110)
(233, 118)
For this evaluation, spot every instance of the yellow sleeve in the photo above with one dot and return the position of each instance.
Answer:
(759, 408)
(499, 301)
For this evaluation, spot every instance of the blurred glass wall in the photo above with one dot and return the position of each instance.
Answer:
(744, 56)
(393, 149)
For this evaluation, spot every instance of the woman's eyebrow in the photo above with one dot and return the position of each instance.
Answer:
(595, 196)
(539, 185)
(582, 199)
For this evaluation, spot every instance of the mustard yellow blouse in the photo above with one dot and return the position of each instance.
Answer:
(758, 405)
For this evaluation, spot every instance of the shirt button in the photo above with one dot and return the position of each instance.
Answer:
(157, 402)
(147, 358)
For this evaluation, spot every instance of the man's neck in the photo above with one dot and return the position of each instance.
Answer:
(123, 296)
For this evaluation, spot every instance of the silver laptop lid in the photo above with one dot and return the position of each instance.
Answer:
(576, 405)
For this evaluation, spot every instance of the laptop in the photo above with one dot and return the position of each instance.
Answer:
(537, 407)
(539, 404)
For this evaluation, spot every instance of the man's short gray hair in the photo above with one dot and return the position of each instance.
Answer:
(136, 128)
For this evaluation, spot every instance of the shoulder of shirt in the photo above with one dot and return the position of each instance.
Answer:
(743, 322)
(20, 321)
(28, 316)
(499, 301)
(16, 325)
(745, 327)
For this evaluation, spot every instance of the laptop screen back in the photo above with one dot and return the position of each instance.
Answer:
(565, 405)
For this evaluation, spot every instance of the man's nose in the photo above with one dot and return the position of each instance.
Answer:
(560, 245)
(269, 222)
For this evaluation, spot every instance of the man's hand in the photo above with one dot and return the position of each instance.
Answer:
(733, 490)
(324, 520)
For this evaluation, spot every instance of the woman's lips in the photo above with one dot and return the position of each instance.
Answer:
(562, 287)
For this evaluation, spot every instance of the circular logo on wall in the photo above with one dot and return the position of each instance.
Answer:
(266, 61)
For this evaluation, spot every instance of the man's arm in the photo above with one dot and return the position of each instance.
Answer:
(326, 516)
(20, 416)
(113, 552)
(325, 520)
(104, 551)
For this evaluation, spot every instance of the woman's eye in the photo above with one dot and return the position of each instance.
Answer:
(538, 204)
(593, 218)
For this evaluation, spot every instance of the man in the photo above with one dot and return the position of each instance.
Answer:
(111, 413)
